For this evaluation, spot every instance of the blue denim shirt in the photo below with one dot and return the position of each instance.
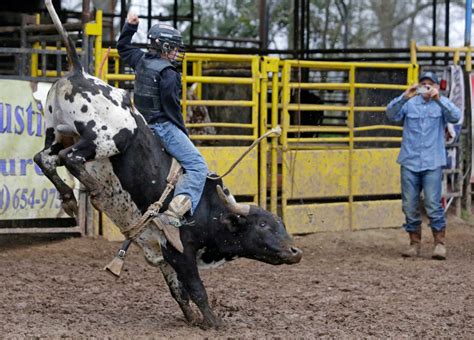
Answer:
(424, 125)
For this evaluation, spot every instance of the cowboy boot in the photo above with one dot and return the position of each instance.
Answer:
(170, 220)
(415, 244)
(439, 252)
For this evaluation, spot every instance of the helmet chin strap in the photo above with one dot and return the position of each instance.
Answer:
(166, 56)
(175, 61)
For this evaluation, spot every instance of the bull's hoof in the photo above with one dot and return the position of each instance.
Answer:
(215, 323)
(192, 318)
(70, 206)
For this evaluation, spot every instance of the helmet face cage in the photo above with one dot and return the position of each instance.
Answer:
(166, 46)
(166, 39)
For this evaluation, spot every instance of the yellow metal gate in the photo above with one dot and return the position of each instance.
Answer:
(327, 182)
(243, 181)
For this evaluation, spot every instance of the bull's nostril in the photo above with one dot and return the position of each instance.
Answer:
(293, 255)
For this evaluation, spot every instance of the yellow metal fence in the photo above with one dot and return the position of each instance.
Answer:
(328, 171)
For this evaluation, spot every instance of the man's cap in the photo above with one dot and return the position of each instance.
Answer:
(431, 76)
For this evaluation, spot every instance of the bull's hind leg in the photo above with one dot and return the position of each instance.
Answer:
(177, 291)
(47, 159)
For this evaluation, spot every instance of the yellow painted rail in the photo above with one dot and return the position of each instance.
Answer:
(322, 144)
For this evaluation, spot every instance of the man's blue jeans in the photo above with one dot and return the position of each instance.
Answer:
(430, 182)
(180, 147)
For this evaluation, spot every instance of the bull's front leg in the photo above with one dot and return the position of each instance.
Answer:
(74, 159)
(48, 161)
(177, 291)
(188, 275)
(149, 241)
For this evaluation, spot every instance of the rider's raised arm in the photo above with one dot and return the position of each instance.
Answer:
(129, 53)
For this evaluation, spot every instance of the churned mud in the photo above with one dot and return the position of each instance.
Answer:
(349, 284)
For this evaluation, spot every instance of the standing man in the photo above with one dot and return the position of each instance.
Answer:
(422, 157)
(157, 95)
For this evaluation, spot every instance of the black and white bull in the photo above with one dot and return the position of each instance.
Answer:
(94, 131)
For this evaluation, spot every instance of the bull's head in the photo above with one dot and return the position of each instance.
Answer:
(262, 235)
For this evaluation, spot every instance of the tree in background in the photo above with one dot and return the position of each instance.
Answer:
(333, 23)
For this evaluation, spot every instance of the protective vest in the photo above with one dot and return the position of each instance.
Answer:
(146, 91)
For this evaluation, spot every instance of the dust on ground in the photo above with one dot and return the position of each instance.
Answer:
(348, 284)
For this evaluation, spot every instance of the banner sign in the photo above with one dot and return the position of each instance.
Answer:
(25, 193)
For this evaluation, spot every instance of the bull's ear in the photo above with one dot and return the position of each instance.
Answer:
(233, 222)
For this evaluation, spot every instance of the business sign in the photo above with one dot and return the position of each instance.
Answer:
(25, 193)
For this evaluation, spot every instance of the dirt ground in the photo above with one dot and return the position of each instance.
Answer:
(349, 284)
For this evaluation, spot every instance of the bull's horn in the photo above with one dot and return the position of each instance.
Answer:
(237, 208)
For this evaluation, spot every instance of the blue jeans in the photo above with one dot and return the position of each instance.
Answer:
(430, 182)
(180, 147)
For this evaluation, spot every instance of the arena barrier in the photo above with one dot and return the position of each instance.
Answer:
(333, 179)
(320, 176)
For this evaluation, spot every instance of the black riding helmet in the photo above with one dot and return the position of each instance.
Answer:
(165, 38)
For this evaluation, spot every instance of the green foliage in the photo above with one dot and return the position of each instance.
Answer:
(333, 23)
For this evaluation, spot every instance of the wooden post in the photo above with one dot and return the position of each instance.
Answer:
(82, 216)
(22, 64)
(86, 11)
(89, 218)
(43, 60)
(58, 59)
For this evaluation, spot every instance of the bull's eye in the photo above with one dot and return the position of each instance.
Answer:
(263, 224)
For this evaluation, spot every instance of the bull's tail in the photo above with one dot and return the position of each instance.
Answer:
(74, 61)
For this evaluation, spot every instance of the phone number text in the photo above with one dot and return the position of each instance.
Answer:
(28, 198)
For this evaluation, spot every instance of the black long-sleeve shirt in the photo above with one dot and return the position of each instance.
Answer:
(169, 80)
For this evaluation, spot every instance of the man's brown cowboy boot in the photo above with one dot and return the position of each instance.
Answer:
(415, 245)
(170, 220)
(439, 252)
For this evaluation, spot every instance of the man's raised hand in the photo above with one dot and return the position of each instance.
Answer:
(434, 93)
(410, 92)
(132, 18)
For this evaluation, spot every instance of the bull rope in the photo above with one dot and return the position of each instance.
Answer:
(153, 210)
(275, 130)
(133, 231)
